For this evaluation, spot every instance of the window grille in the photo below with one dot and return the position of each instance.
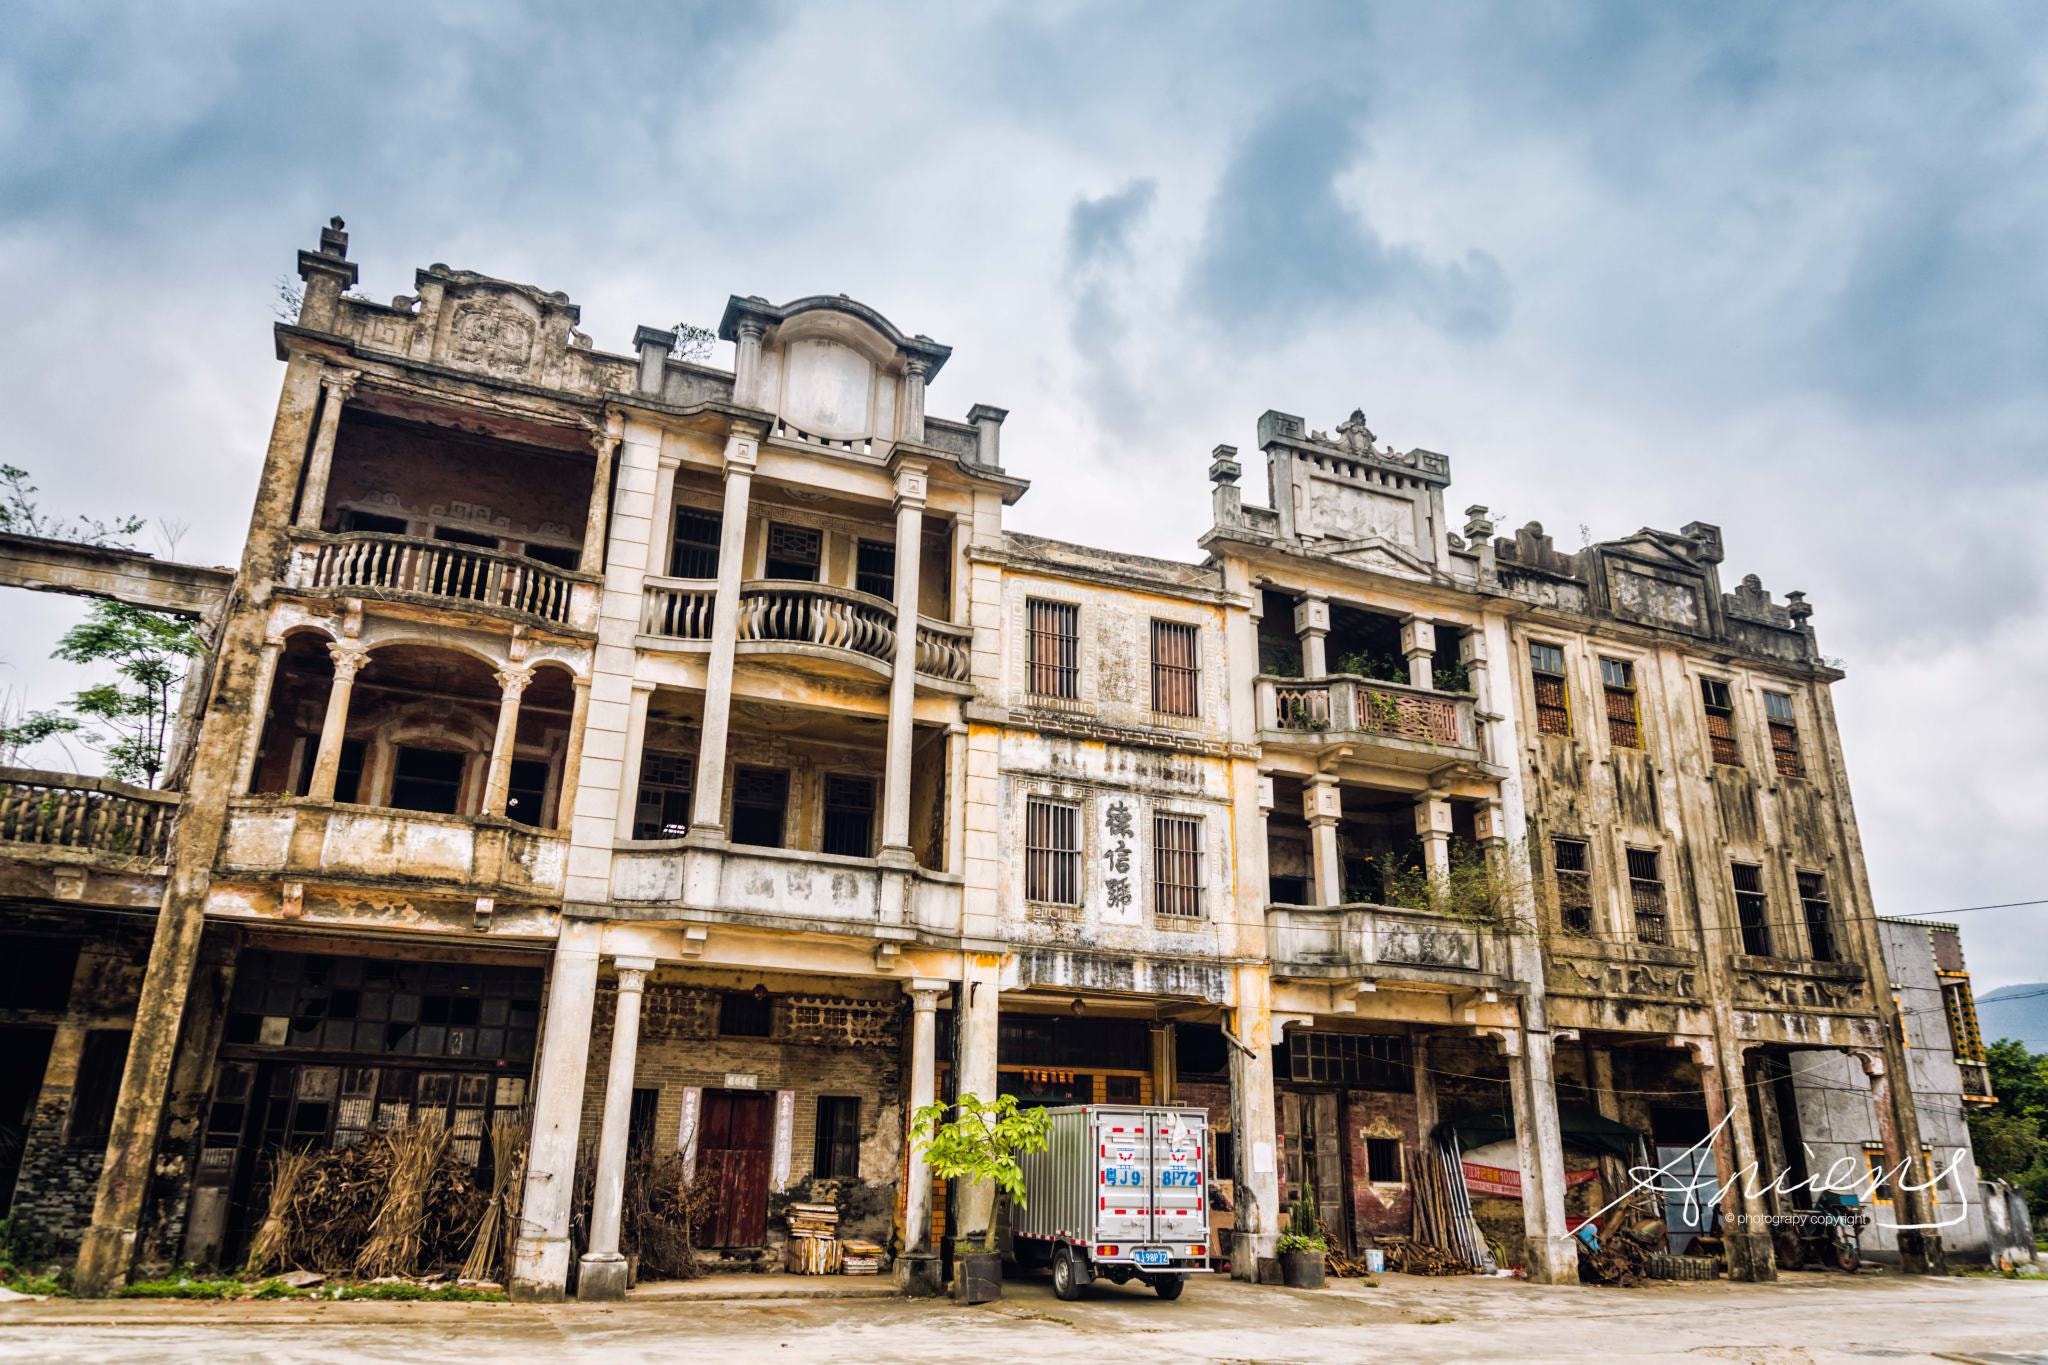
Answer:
(1053, 640)
(1784, 730)
(874, 568)
(1052, 852)
(1646, 896)
(1553, 705)
(850, 815)
(1752, 909)
(1574, 885)
(1176, 669)
(696, 544)
(1720, 709)
(1624, 717)
(1177, 865)
(1820, 917)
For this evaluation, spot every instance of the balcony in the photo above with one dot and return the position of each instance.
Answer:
(90, 818)
(1412, 727)
(310, 840)
(782, 888)
(843, 631)
(1341, 942)
(441, 574)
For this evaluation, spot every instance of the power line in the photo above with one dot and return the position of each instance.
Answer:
(1965, 910)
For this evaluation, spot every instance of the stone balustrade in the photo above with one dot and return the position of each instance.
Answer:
(86, 814)
(374, 564)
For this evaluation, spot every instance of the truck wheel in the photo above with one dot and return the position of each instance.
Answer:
(1064, 1286)
(1169, 1286)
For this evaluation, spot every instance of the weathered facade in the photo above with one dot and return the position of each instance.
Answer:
(691, 756)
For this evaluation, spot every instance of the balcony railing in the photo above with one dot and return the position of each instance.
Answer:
(774, 611)
(314, 838)
(1344, 940)
(372, 563)
(1355, 706)
(90, 814)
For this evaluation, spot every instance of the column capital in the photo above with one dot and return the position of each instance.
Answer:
(916, 366)
(604, 440)
(341, 383)
(349, 660)
(742, 453)
(632, 971)
(912, 485)
(924, 993)
(750, 329)
(513, 680)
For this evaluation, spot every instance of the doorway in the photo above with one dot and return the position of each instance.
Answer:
(1315, 1159)
(24, 1052)
(733, 1145)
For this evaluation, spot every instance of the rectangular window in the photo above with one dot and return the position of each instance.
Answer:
(849, 815)
(696, 544)
(667, 781)
(527, 792)
(1752, 909)
(561, 556)
(98, 1086)
(1553, 709)
(1176, 669)
(1053, 640)
(1574, 885)
(746, 1014)
(1720, 708)
(1383, 1160)
(874, 568)
(1369, 1061)
(1646, 896)
(1820, 917)
(352, 520)
(1177, 865)
(348, 772)
(760, 806)
(793, 553)
(1624, 718)
(1784, 734)
(837, 1152)
(427, 780)
(1052, 852)
(1965, 1038)
(456, 535)
(35, 973)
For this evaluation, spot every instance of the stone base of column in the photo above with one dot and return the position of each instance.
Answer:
(920, 1275)
(104, 1256)
(540, 1270)
(1750, 1257)
(601, 1278)
(1552, 1260)
(1921, 1253)
(1255, 1257)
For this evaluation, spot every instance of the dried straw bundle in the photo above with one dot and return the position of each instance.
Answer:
(272, 1244)
(500, 1214)
(394, 1243)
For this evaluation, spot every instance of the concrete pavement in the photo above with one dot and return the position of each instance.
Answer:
(1803, 1318)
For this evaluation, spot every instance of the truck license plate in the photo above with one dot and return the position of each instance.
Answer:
(1152, 1256)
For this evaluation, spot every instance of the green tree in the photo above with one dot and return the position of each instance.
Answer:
(21, 515)
(982, 1143)
(2010, 1137)
(129, 720)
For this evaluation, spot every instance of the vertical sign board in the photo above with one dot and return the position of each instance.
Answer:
(785, 1139)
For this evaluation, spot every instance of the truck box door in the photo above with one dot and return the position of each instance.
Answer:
(1180, 1181)
(1123, 1176)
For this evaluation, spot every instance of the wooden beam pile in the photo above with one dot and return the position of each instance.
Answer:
(861, 1257)
(814, 1238)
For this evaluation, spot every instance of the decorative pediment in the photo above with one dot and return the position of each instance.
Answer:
(1379, 555)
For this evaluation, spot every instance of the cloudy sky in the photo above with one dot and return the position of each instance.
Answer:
(1774, 267)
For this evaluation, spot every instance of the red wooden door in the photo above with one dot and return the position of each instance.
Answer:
(735, 1137)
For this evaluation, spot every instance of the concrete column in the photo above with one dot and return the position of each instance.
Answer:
(956, 798)
(746, 363)
(1256, 1128)
(602, 1274)
(259, 712)
(910, 492)
(912, 422)
(976, 1062)
(599, 514)
(1418, 646)
(922, 1271)
(349, 660)
(1539, 1148)
(1743, 1216)
(336, 387)
(1165, 1062)
(1472, 653)
(1898, 1127)
(1433, 824)
(572, 761)
(662, 539)
(636, 749)
(1312, 624)
(512, 681)
(707, 816)
(540, 1251)
(1322, 806)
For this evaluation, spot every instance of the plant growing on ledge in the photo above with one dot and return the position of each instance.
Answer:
(982, 1143)
(1478, 886)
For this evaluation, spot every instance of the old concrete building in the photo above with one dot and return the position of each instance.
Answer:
(690, 756)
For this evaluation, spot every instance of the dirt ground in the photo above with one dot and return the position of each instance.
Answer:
(1802, 1318)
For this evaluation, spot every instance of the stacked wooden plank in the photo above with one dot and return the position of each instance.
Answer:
(861, 1257)
(814, 1238)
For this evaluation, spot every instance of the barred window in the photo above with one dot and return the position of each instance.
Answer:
(1624, 718)
(1177, 865)
(1720, 708)
(849, 815)
(760, 806)
(1574, 885)
(1052, 852)
(1784, 734)
(874, 568)
(1369, 1061)
(1820, 917)
(1553, 706)
(1383, 1160)
(835, 1154)
(1053, 639)
(1176, 669)
(794, 552)
(1752, 909)
(1646, 896)
(695, 554)
(667, 781)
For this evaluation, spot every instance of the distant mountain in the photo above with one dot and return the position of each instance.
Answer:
(2016, 1012)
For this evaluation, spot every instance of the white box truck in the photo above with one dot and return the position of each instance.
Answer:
(1121, 1192)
